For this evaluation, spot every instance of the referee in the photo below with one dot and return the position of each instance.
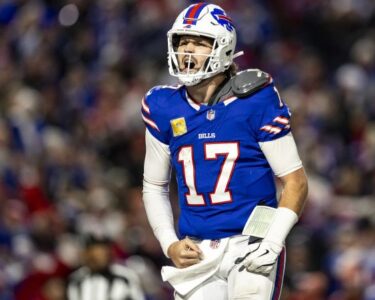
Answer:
(101, 279)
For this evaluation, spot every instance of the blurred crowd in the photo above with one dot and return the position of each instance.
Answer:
(72, 75)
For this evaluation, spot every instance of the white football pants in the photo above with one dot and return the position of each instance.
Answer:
(230, 284)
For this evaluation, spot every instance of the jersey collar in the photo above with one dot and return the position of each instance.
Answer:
(193, 103)
(196, 105)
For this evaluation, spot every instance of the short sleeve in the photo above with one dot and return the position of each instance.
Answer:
(272, 119)
(152, 117)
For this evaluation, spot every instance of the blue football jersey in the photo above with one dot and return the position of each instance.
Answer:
(221, 172)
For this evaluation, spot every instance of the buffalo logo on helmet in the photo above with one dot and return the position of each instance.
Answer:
(220, 16)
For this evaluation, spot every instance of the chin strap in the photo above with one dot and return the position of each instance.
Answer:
(239, 53)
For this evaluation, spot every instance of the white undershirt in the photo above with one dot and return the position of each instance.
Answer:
(156, 176)
(281, 154)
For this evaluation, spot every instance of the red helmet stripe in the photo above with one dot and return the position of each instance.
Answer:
(193, 13)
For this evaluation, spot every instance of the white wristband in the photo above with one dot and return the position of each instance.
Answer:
(282, 223)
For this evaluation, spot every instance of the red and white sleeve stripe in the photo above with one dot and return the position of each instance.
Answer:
(281, 120)
(271, 129)
(145, 107)
(147, 118)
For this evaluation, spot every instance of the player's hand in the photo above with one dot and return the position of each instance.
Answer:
(184, 253)
(261, 257)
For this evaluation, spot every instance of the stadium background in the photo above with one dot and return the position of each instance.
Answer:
(72, 75)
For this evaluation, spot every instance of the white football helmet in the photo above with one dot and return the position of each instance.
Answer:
(206, 20)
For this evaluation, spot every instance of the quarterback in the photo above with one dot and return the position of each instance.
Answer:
(227, 135)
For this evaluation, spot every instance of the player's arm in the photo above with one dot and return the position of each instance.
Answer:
(284, 160)
(156, 178)
(157, 170)
(282, 155)
(294, 191)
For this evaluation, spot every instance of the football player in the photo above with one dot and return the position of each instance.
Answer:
(226, 134)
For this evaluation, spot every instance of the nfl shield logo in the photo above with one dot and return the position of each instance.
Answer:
(214, 244)
(210, 115)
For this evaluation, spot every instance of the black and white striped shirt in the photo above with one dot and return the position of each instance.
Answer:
(117, 283)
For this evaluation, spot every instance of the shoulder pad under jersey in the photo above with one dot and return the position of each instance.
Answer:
(249, 81)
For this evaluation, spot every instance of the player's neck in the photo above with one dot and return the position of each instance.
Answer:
(203, 91)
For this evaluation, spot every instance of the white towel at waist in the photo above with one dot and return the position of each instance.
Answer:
(186, 279)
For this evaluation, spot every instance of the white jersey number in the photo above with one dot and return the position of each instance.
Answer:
(221, 194)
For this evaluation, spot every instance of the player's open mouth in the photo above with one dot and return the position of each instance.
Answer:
(188, 65)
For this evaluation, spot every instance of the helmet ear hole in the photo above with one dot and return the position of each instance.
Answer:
(223, 40)
(215, 66)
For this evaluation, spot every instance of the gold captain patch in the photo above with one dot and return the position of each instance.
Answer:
(178, 126)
